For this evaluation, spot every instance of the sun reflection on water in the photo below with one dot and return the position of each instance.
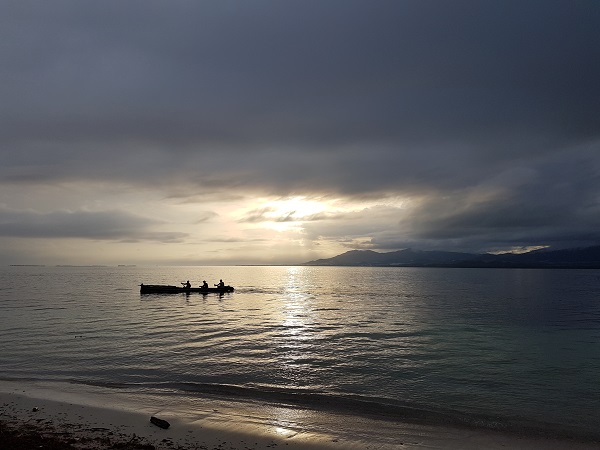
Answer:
(297, 330)
(297, 307)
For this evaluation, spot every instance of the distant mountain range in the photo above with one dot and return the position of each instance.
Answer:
(588, 257)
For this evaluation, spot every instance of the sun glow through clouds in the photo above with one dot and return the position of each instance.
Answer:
(288, 214)
(296, 208)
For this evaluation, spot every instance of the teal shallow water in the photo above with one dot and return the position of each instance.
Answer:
(494, 348)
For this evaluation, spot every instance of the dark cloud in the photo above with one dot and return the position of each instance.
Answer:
(342, 98)
(103, 225)
(236, 240)
(303, 72)
(554, 204)
(206, 216)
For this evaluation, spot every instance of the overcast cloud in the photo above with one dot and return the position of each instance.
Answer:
(464, 125)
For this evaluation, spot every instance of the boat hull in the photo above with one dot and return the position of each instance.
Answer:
(166, 289)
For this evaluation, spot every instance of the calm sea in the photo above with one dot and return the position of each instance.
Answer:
(497, 348)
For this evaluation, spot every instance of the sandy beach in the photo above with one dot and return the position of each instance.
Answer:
(85, 417)
(81, 420)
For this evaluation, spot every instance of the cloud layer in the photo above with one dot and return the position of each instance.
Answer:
(484, 114)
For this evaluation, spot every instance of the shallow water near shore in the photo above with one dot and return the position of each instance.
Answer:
(497, 349)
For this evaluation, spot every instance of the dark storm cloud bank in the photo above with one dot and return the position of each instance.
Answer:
(105, 225)
(348, 98)
(307, 75)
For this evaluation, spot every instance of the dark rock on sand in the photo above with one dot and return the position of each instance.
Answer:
(160, 422)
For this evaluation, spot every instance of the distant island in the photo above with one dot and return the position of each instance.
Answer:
(80, 265)
(574, 258)
(27, 265)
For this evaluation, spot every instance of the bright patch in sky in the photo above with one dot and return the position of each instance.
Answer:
(297, 207)
(288, 214)
(519, 250)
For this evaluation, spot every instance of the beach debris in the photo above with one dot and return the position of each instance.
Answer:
(160, 422)
(35, 409)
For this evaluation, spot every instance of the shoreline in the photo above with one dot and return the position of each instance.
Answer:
(101, 418)
(85, 419)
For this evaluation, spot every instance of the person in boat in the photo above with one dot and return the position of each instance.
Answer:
(204, 285)
(220, 284)
(187, 284)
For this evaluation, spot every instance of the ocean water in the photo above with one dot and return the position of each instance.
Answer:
(509, 349)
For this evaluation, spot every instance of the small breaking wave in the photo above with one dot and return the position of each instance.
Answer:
(358, 405)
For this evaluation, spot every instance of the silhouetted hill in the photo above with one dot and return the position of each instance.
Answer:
(588, 257)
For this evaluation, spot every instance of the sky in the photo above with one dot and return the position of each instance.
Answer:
(279, 132)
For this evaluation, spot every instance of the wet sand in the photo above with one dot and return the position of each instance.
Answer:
(83, 417)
